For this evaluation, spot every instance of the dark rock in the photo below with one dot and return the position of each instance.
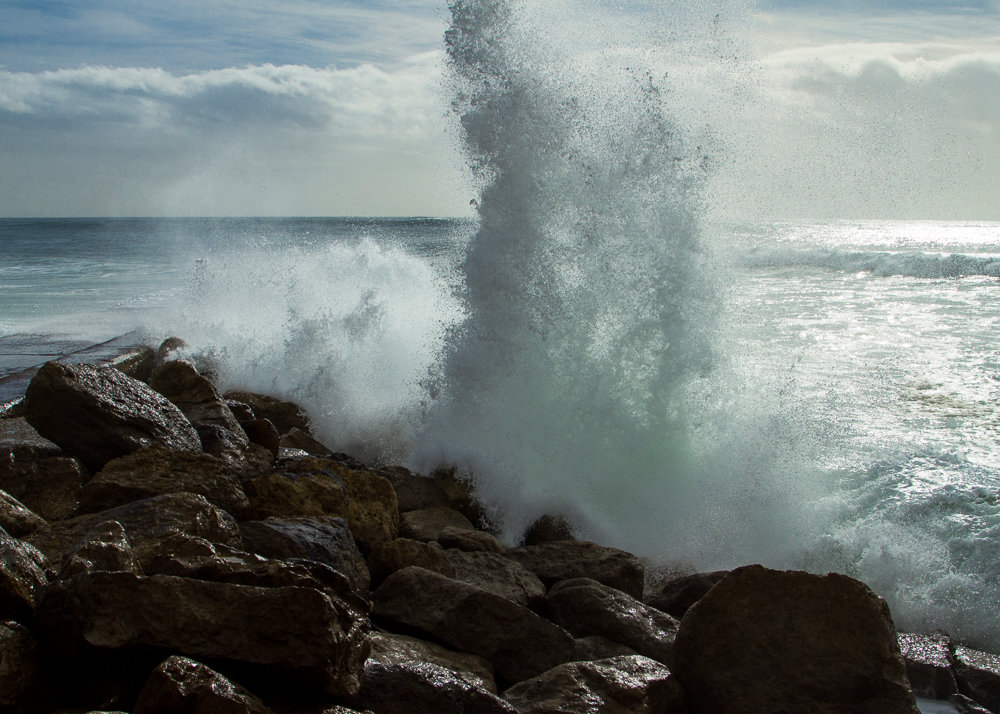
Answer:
(459, 489)
(413, 491)
(620, 685)
(296, 629)
(677, 595)
(765, 641)
(390, 648)
(317, 493)
(326, 540)
(964, 705)
(242, 411)
(234, 449)
(24, 574)
(168, 350)
(37, 472)
(135, 362)
(928, 664)
(978, 675)
(263, 433)
(498, 574)
(586, 607)
(17, 519)
(470, 540)
(404, 552)
(594, 647)
(157, 471)
(564, 560)
(20, 664)
(97, 413)
(180, 684)
(298, 439)
(548, 529)
(106, 548)
(517, 642)
(195, 395)
(424, 688)
(284, 415)
(427, 523)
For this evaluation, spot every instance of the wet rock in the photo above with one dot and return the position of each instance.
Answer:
(620, 685)
(404, 552)
(459, 489)
(157, 471)
(106, 548)
(978, 675)
(965, 705)
(586, 607)
(427, 523)
(564, 560)
(548, 529)
(677, 595)
(234, 449)
(196, 396)
(181, 684)
(37, 472)
(298, 439)
(97, 413)
(765, 640)
(470, 541)
(169, 350)
(326, 540)
(498, 574)
(20, 663)
(136, 362)
(517, 642)
(284, 415)
(296, 629)
(413, 491)
(16, 518)
(263, 433)
(317, 493)
(424, 688)
(24, 574)
(928, 664)
(389, 648)
(594, 647)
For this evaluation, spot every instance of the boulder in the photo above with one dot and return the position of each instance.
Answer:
(978, 675)
(24, 575)
(284, 415)
(564, 560)
(404, 552)
(548, 529)
(414, 491)
(263, 433)
(498, 574)
(317, 493)
(16, 518)
(928, 661)
(620, 685)
(20, 664)
(326, 540)
(765, 640)
(586, 607)
(427, 523)
(235, 449)
(517, 642)
(37, 472)
(181, 684)
(965, 705)
(424, 688)
(389, 648)
(593, 647)
(98, 413)
(196, 396)
(677, 595)
(471, 541)
(106, 548)
(157, 471)
(301, 440)
(296, 629)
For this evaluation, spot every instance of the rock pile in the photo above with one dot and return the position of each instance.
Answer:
(167, 548)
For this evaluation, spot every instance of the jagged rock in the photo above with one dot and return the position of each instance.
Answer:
(168, 350)
(677, 595)
(978, 675)
(180, 684)
(242, 411)
(620, 685)
(764, 640)
(136, 362)
(16, 518)
(564, 560)
(517, 642)
(98, 413)
(37, 472)
(424, 688)
(145, 523)
(317, 493)
(470, 540)
(548, 529)
(593, 647)
(498, 574)
(928, 664)
(234, 449)
(964, 705)
(19, 662)
(296, 629)
(414, 491)
(296, 438)
(106, 548)
(459, 489)
(427, 523)
(390, 648)
(404, 552)
(586, 607)
(24, 574)
(284, 415)
(157, 471)
(326, 540)
(263, 433)
(196, 396)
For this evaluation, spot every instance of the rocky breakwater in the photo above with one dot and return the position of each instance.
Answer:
(167, 548)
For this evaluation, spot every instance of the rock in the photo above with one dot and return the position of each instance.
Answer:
(470, 540)
(37, 472)
(404, 552)
(296, 629)
(978, 675)
(263, 433)
(98, 413)
(146, 522)
(20, 664)
(298, 439)
(964, 705)
(928, 664)
(764, 640)
(498, 574)
(677, 595)
(517, 642)
(135, 362)
(389, 648)
(197, 397)
(620, 685)
(427, 523)
(593, 647)
(586, 607)
(459, 489)
(16, 518)
(284, 415)
(180, 684)
(424, 688)
(413, 491)
(326, 540)
(24, 574)
(106, 549)
(564, 560)
(548, 529)
(234, 449)
(317, 493)
(157, 471)
(168, 350)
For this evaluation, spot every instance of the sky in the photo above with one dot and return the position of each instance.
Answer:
(839, 108)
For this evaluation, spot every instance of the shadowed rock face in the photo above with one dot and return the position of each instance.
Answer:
(564, 560)
(425, 688)
(24, 574)
(180, 684)
(764, 640)
(37, 472)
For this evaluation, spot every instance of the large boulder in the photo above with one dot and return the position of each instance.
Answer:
(620, 685)
(106, 549)
(20, 663)
(390, 648)
(471, 541)
(586, 607)
(297, 629)
(564, 560)
(97, 413)
(16, 518)
(401, 553)
(414, 491)
(195, 395)
(978, 675)
(517, 642)
(37, 472)
(428, 523)
(678, 594)
(24, 575)
(284, 415)
(498, 574)
(764, 640)
(424, 688)
(929, 664)
(180, 684)
(316, 493)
